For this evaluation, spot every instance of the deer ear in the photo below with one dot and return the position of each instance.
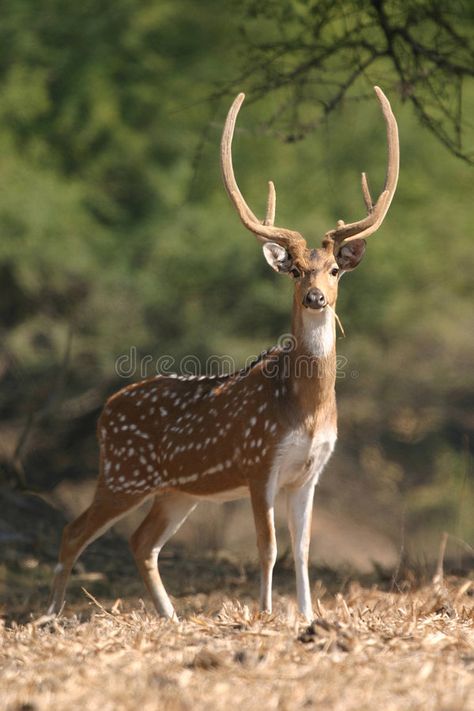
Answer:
(351, 254)
(277, 257)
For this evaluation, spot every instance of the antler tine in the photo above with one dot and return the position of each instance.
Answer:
(271, 205)
(376, 213)
(366, 193)
(265, 231)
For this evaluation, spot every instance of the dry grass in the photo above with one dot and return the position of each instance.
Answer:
(367, 649)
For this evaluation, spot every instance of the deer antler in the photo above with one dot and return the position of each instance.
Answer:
(265, 231)
(376, 213)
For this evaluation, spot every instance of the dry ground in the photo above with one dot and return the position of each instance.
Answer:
(380, 641)
(366, 649)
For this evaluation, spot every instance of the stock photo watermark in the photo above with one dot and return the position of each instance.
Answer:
(281, 360)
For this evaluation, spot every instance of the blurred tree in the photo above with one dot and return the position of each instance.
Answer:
(317, 50)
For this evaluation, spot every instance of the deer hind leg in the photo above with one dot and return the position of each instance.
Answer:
(166, 515)
(262, 505)
(105, 510)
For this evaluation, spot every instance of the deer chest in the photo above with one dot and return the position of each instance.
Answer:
(301, 458)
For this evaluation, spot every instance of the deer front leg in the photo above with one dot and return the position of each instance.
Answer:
(300, 509)
(262, 506)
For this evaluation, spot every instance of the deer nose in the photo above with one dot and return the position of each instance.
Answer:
(314, 299)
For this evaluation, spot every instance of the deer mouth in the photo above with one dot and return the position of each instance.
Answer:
(315, 309)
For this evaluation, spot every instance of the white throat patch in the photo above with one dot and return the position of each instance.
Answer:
(319, 332)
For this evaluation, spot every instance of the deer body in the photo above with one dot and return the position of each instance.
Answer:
(269, 427)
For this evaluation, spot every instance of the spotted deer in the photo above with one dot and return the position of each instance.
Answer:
(269, 427)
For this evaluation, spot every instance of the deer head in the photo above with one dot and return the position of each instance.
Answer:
(315, 272)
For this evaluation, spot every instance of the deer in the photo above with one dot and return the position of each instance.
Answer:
(269, 427)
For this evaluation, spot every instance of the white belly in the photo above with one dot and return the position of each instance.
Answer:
(220, 497)
(300, 459)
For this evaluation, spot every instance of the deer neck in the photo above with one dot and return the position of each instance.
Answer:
(313, 361)
(314, 333)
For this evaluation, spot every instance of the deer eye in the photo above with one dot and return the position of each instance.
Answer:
(295, 273)
(334, 271)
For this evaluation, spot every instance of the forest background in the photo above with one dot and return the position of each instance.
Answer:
(117, 239)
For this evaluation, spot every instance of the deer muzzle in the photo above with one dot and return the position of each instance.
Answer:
(314, 299)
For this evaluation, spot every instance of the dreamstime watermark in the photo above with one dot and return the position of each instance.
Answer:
(283, 360)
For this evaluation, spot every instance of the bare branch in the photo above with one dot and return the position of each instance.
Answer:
(428, 44)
